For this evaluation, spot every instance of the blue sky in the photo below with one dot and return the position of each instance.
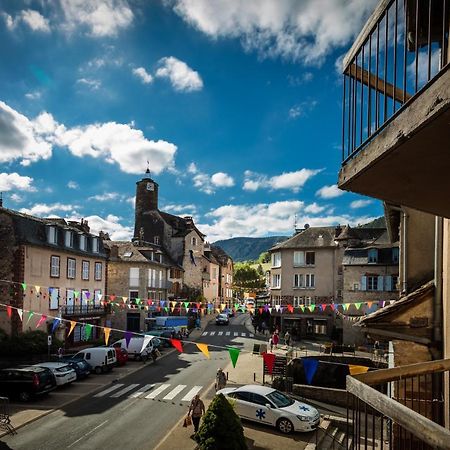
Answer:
(236, 105)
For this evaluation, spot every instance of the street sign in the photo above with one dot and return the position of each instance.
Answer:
(49, 340)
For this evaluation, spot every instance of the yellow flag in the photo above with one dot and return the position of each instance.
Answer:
(218, 311)
(354, 370)
(72, 326)
(222, 306)
(38, 289)
(106, 330)
(203, 348)
(124, 299)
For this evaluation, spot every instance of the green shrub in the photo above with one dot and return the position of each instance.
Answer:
(28, 343)
(221, 428)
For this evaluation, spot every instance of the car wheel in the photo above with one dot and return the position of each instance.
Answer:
(24, 396)
(98, 370)
(285, 426)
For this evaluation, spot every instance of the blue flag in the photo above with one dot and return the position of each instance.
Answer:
(310, 367)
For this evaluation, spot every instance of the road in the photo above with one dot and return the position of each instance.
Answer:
(140, 409)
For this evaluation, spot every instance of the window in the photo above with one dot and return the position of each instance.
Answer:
(395, 254)
(372, 256)
(70, 300)
(98, 271)
(97, 298)
(194, 241)
(156, 240)
(160, 279)
(356, 286)
(214, 273)
(134, 276)
(276, 281)
(298, 280)
(258, 399)
(52, 235)
(310, 258)
(54, 266)
(372, 283)
(276, 259)
(82, 242)
(71, 268)
(307, 301)
(395, 282)
(68, 240)
(85, 270)
(151, 278)
(310, 281)
(133, 296)
(54, 298)
(95, 245)
(299, 259)
(297, 301)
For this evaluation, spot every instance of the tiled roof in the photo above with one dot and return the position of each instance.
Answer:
(181, 226)
(311, 237)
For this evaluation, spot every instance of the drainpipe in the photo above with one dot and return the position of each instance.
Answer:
(437, 304)
(403, 247)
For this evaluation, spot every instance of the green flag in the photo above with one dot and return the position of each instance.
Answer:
(88, 331)
(234, 355)
(312, 308)
(30, 315)
(358, 305)
(24, 286)
(186, 304)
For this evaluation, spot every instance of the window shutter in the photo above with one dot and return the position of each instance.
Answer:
(380, 283)
(364, 283)
(388, 283)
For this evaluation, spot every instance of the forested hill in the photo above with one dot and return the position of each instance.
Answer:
(246, 248)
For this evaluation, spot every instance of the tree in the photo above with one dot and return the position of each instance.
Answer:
(247, 278)
(264, 257)
(221, 427)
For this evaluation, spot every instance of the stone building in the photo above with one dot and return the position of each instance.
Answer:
(66, 262)
(226, 271)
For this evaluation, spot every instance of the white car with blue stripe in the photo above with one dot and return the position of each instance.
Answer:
(267, 405)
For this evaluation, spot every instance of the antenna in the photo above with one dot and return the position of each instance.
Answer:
(148, 167)
(295, 222)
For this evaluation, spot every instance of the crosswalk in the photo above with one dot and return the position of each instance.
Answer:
(227, 333)
(151, 391)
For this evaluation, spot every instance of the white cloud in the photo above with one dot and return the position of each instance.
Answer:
(131, 200)
(360, 203)
(31, 18)
(293, 181)
(73, 185)
(221, 179)
(111, 224)
(143, 75)
(101, 17)
(178, 209)
(192, 168)
(202, 181)
(107, 196)
(33, 95)
(181, 76)
(331, 191)
(12, 181)
(16, 198)
(304, 78)
(44, 210)
(314, 208)
(302, 109)
(305, 31)
(29, 141)
(90, 83)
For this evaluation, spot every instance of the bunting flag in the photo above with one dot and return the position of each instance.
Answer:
(41, 320)
(345, 306)
(38, 289)
(310, 368)
(99, 297)
(30, 315)
(128, 335)
(369, 304)
(270, 310)
(76, 294)
(24, 286)
(124, 299)
(56, 322)
(87, 294)
(162, 303)
(72, 326)
(145, 342)
(358, 305)
(324, 306)
(177, 344)
(107, 332)
(20, 312)
(222, 306)
(277, 308)
(203, 348)
(9, 311)
(234, 355)
(269, 361)
(312, 308)
(173, 304)
(302, 308)
(354, 370)
(186, 304)
(87, 331)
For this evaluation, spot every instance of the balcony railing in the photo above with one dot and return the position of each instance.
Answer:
(402, 48)
(80, 310)
(399, 408)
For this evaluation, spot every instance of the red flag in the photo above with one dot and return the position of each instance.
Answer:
(269, 361)
(290, 308)
(9, 311)
(260, 310)
(324, 306)
(177, 344)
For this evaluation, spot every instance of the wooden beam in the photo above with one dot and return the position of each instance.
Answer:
(424, 429)
(371, 80)
(396, 335)
(397, 373)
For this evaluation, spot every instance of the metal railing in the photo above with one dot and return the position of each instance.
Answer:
(78, 310)
(402, 47)
(402, 407)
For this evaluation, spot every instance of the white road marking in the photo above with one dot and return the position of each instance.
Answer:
(157, 391)
(227, 333)
(205, 333)
(220, 333)
(88, 433)
(144, 389)
(236, 334)
(171, 395)
(107, 391)
(190, 395)
(212, 333)
(124, 390)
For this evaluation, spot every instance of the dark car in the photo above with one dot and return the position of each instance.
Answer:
(222, 319)
(81, 367)
(26, 382)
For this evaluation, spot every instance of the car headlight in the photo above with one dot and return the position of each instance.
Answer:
(304, 418)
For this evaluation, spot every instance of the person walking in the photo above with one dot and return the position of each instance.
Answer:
(271, 344)
(196, 410)
(275, 339)
(287, 338)
(221, 379)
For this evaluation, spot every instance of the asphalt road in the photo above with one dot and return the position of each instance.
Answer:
(139, 410)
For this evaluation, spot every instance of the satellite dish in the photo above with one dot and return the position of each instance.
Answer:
(306, 226)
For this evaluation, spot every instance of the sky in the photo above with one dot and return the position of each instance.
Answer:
(235, 104)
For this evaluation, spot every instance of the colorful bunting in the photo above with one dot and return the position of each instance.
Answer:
(269, 361)
(107, 332)
(203, 348)
(177, 344)
(72, 326)
(9, 311)
(20, 312)
(310, 367)
(128, 335)
(234, 355)
(41, 320)
(87, 331)
(354, 370)
(24, 286)
(56, 322)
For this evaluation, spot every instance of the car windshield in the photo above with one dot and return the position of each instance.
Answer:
(280, 400)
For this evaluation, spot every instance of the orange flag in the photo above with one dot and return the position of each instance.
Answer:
(354, 370)
(203, 348)
(72, 326)
(107, 331)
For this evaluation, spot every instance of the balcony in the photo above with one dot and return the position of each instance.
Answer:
(84, 310)
(396, 106)
(402, 407)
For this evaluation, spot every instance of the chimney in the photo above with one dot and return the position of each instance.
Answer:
(114, 252)
(337, 231)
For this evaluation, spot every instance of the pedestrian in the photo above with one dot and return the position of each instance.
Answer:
(275, 339)
(60, 352)
(271, 344)
(197, 408)
(376, 348)
(255, 326)
(221, 379)
(287, 338)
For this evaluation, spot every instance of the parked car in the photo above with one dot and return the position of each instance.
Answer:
(101, 359)
(222, 319)
(26, 382)
(134, 347)
(121, 355)
(81, 367)
(63, 373)
(163, 335)
(266, 405)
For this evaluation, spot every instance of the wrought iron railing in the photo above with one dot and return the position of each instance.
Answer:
(403, 46)
(402, 407)
(79, 310)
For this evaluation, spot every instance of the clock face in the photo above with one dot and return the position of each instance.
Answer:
(150, 187)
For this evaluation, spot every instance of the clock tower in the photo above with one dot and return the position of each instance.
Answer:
(146, 202)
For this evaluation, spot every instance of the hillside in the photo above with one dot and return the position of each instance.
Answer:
(377, 223)
(245, 248)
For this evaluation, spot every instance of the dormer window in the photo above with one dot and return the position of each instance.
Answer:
(372, 256)
(95, 245)
(68, 239)
(52, 234)
(82, 242)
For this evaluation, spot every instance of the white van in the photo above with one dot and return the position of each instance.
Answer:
(135, 346)
(101, 359)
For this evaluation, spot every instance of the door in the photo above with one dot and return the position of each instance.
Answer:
(260, 411)
(133, 321)
(243, 405)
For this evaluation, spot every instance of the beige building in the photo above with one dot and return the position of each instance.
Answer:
(211, 273)
(64, 268)
(226, 271)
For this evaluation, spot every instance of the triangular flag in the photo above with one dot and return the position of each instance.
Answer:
(236, 305)
(358, 305)
(310, 367)
(88, 331)
(234, 355)
(24, 286)
(9, 311)
(186, 304)
(332, 306)
(369, 304)
(41, 320)
(324, 306)
(260, 310)
(222, 306)
(145, 342)
(270, 310)
(76, 294)
(72, 326)
(30, 315)
(302, 308)
(269, 361)
(166, 308)
(20, 312)
(177, 344)
(99, 296)
(107, 332)
(277, 307)
(354, 370)
(138, 301)
(56, 322)
(345, 306)
(87, 294)
(38, 289)
(312, 308)
(162, 302)
(203, 348)
(173, 304)
(124, 299)
(127, 338)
